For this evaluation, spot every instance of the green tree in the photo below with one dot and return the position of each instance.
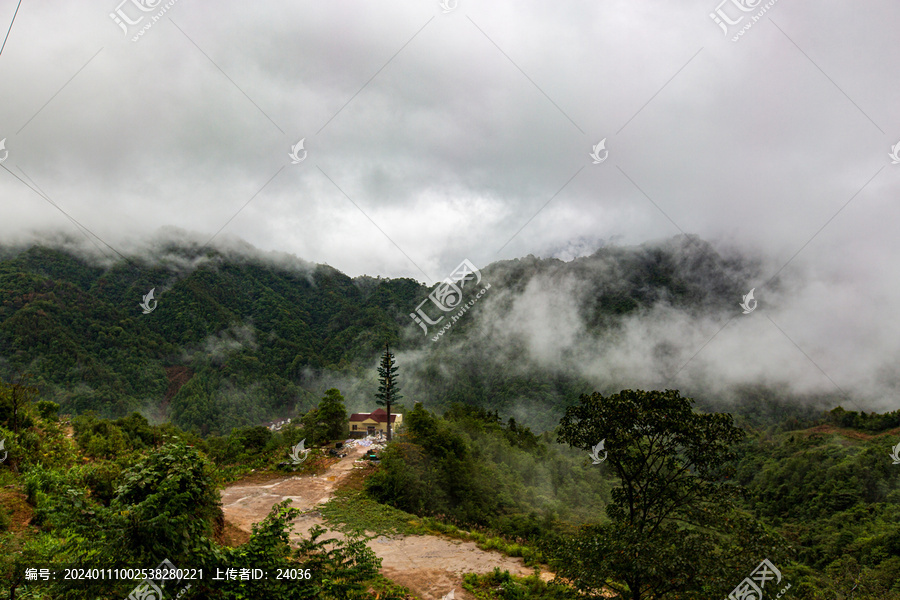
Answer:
(166, 506)
(333, 414)
(18, 553)
(328, 420)
(312, 427)
(388, 390)
(332, 569)
(99, 438)
(14, 398)
(433, 470)
(194, 406)
(670, 513)
(253, 439)
(47, 410)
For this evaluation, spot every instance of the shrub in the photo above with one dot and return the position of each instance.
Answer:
(47, 410)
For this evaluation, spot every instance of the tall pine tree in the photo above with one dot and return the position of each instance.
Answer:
(387, 388)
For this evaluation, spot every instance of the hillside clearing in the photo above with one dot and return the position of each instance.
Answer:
(429, 565)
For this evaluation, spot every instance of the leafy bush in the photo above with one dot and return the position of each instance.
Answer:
(500, 585)
(102, 478)
(47, 410)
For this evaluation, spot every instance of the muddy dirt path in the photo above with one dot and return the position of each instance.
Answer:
(430, 566)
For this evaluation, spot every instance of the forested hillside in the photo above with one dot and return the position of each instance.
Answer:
(245, 334)
(821, 503)
(239, 339)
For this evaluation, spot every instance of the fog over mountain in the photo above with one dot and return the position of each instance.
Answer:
(633, 261)
(432, 135)
(665, 314)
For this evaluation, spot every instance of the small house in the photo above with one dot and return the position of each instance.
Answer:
(363, 424)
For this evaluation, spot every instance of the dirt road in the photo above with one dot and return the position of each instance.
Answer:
(430, 566)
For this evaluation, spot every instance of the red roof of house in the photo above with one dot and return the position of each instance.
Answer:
(378, 415)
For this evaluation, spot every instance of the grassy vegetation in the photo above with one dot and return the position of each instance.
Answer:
(352, 510)
(383, 588)
(266, 465)
(831, 491)
(500, 585)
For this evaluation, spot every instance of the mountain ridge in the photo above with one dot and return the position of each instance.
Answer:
(262, 337)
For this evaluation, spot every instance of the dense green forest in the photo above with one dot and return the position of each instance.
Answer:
(242, 338)
(822, 503)
(121, 429)
(239, 340)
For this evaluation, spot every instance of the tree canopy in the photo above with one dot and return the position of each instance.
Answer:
(388, 387)
(672, 510)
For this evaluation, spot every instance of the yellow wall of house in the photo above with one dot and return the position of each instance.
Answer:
(364, 425)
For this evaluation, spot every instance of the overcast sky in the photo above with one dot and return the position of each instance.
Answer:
(433, 134)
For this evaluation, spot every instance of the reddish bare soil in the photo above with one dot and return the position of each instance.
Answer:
(177, 376)
(827, 429)
(20, 513)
